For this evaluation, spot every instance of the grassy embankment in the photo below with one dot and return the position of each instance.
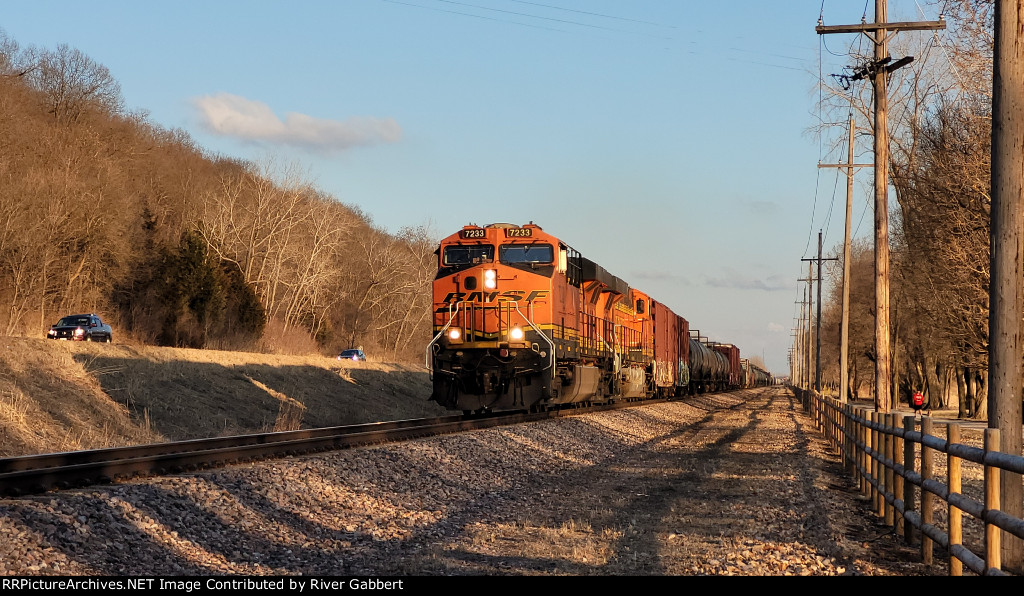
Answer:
(60, 396)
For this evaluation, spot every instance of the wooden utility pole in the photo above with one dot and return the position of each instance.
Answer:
(792, 363)
(797, 354)
(883, 400)
(803, 342)
(810, 304)
(1006, 295)
(879, 70)
(844, 339)
(817, 324)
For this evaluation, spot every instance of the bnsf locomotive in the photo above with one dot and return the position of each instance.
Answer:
(522, 320)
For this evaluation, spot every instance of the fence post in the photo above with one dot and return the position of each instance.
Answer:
(886, 471)
(927, 498)
(865, 439)
(826, 406)
(878, 468)
(837, 425)
(909, 464)
(890, 472)
(830, 421)
(816, 400)
(993, 537)
(818, 410)
(869, 461)
(850, 436)
(956, 529)
(883, 441)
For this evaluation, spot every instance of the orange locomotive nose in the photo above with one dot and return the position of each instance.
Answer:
(493, 311)
(489, 307)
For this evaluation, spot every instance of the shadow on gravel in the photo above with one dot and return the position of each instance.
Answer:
(689, 494)
(630, 500)
(126, 549)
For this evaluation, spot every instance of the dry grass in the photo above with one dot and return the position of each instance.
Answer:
(57, 396)
(289, 413)
(573, 540)
(278, 339)
(50, 403)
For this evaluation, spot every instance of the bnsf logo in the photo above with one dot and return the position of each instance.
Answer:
(511, 295)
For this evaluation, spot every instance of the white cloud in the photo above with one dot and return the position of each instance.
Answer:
(662, 275)
(775, 327)
(733, 280)
(235, 116)
(763, 208)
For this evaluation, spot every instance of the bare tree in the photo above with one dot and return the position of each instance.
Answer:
(72, 82)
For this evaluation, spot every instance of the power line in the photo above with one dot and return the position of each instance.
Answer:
(533, 16)
(478, 16)
(595, 14)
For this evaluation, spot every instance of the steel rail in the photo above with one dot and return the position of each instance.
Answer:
(39, 473)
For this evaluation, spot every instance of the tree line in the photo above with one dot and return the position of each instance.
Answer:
(103, 211)
(940, 129)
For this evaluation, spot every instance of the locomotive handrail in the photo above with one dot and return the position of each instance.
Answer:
(611, 350)
(551, 344)
(430, 361)
(513, 303)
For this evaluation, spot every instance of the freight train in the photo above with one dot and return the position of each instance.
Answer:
(523, 321)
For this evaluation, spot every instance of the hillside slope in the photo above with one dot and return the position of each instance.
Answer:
(59, 396)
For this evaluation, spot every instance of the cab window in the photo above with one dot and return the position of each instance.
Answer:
(455, 255)
(511, 254)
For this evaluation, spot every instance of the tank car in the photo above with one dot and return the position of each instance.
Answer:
(755, 376)
(709, 368)
(734, 370)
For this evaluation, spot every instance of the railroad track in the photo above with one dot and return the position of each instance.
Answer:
(40, 473)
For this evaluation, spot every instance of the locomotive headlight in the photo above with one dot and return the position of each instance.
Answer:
(455, 335)
(516, 334)
(490, 279)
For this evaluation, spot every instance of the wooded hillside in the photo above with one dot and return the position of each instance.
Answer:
(103, 211)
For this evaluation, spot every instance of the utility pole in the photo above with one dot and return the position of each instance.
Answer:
(809, 303)
(802, 358)
(795, 354)
(1006, 296)
(817, 332)
(817, 325)
(844, 340)
(879, 70)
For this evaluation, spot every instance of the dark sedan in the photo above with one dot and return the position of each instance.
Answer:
(356, 355)
(81, 328)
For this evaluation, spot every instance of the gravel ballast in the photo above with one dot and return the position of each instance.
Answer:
(735, 484)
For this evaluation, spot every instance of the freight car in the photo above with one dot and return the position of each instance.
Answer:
(522, 320)
(755, 376)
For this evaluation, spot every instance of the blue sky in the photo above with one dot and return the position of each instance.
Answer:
(666, 140)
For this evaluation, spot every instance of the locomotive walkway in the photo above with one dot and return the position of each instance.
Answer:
(734, 484)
